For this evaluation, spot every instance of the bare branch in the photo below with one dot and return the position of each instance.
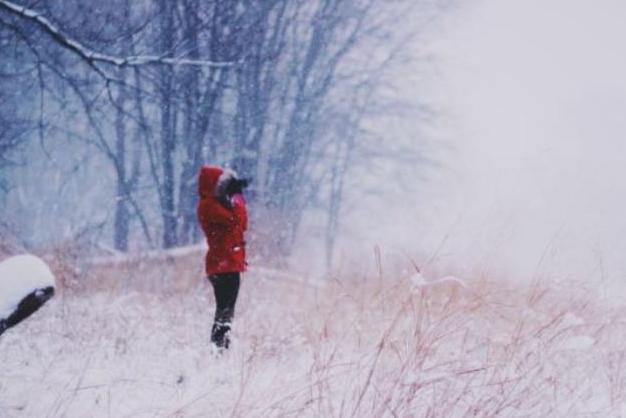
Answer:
(93, 57)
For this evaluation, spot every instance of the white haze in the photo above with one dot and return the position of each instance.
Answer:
(531, 102)
(534, 95)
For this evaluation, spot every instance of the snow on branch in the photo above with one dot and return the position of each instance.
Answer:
(93, 57)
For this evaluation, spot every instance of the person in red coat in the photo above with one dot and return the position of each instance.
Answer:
(223, 218)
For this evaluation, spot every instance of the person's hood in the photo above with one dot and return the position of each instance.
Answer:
(207, 180)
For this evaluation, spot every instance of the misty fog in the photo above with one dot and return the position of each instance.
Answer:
(492, 145)
(532, 97)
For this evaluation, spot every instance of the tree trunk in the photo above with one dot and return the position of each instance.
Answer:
(168, 138)
(121, 222)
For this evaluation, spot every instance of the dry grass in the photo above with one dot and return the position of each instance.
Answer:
(131, 339)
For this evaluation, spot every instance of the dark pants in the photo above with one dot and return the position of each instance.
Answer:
(226, 288)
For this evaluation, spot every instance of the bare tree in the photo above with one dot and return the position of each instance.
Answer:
(276, 88)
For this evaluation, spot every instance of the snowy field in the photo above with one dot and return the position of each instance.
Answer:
(136, 345)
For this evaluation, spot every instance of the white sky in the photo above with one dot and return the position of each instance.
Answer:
(534, 100)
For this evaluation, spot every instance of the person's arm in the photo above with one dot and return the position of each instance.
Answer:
(218, 214)
(239, 210)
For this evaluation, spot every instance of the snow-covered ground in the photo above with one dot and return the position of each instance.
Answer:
(353, 348)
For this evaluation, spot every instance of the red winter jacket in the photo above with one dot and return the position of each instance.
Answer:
(222, 227)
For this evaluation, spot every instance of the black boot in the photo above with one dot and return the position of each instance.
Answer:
(220, 335)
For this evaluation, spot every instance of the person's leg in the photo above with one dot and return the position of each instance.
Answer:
(226, 288)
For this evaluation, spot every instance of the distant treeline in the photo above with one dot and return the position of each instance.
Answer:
(277, 89)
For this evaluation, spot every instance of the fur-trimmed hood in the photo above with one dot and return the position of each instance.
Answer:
(207, 180)
(213, 181)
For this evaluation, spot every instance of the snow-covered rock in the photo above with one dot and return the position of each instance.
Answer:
(418, 281)
(21, 276)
